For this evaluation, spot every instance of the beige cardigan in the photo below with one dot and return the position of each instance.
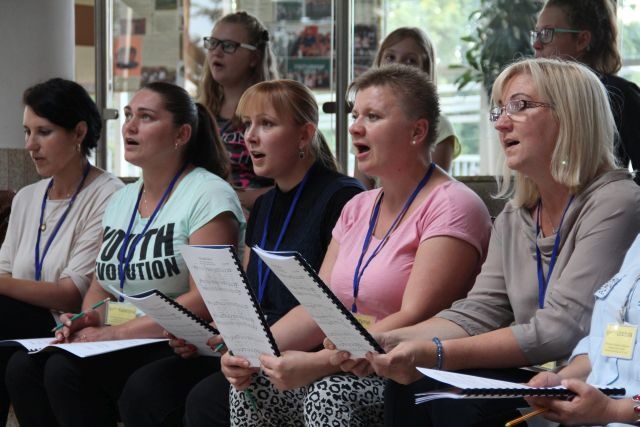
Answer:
(598, 228)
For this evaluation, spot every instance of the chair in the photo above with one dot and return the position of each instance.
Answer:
(6, 196)
(485, 186)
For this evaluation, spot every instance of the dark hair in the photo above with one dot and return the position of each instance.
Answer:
(211, 92)
(413, 88)
(597, 17)
(204, 148)
(66, 103)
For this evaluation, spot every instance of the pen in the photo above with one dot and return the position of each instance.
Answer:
(79, 315)
(525, 417)
(252, 399)
(247, 392)
(218, 347)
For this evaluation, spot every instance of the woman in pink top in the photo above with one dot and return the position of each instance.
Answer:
(388, 261)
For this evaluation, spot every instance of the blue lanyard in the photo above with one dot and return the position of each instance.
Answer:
(124, 260)
(263, 270)
(542, 282)
(357, 276)
(40, 261)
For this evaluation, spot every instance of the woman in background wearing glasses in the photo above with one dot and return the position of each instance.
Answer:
(565, 230)
(239, 56)
(585, 31)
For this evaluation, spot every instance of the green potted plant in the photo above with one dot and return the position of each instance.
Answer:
(501, 36)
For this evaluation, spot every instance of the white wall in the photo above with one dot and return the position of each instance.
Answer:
(36, 43)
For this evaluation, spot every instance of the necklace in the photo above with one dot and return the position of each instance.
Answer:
(554, 229)
(43, 221)
(51, 215)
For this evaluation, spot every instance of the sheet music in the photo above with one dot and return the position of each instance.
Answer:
(471, 386)
(221, 283)
(80, 349)
(337, 325)
(174, 318)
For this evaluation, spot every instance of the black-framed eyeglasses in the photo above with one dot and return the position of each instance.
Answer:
(514, 107)
(545, 35)
(228, 46)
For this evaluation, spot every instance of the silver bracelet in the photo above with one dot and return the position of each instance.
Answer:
(439, 353)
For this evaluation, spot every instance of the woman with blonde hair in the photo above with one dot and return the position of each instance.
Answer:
(532, 301)
(239, 55)
(411, 46)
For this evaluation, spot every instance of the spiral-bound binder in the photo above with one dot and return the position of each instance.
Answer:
(335, 320)
(223, 285)
(475, 387)
(175, 318)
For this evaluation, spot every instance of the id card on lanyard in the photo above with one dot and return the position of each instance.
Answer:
(366, 320)
(620, 337)
(121, 312)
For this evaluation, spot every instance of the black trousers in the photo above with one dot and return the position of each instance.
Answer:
(19, 320)
(401, 410)
(60, 389)
(208, 403)
(155, 394)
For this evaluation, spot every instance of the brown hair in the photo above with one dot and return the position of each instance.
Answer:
(211, 93)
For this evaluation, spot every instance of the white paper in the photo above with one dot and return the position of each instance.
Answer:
(179, 323)
(228, 298)
(471, 382)
(80, 349)
(334, 323)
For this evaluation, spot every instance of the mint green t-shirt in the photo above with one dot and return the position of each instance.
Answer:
(157, 263)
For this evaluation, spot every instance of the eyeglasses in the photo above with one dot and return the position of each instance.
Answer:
(228, 46)
(545, 35)
(514, 107)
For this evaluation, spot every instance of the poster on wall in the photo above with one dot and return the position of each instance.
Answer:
(147, 45)
(127, 64)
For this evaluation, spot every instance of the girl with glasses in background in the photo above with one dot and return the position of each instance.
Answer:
(238, 56)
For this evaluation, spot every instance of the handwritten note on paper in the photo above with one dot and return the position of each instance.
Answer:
(222, 285)
(335, 322)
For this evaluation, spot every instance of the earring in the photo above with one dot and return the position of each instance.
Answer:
(301, 154)
(79, 148)
(176, 146)
(413, 142)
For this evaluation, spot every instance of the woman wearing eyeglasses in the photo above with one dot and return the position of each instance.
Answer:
(239, 56)
(571, 217)
(585, 31)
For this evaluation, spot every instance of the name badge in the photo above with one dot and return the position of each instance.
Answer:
(549, 366)
(365, 320)
(619, 341)
(119, 313)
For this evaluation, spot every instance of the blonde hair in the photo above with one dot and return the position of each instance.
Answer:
(428, 53)
(289, 98)
(584, 147)
(211, 93)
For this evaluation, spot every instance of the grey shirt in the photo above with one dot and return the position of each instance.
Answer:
(598, 228)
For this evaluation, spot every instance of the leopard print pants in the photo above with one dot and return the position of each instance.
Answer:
(341, 400)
